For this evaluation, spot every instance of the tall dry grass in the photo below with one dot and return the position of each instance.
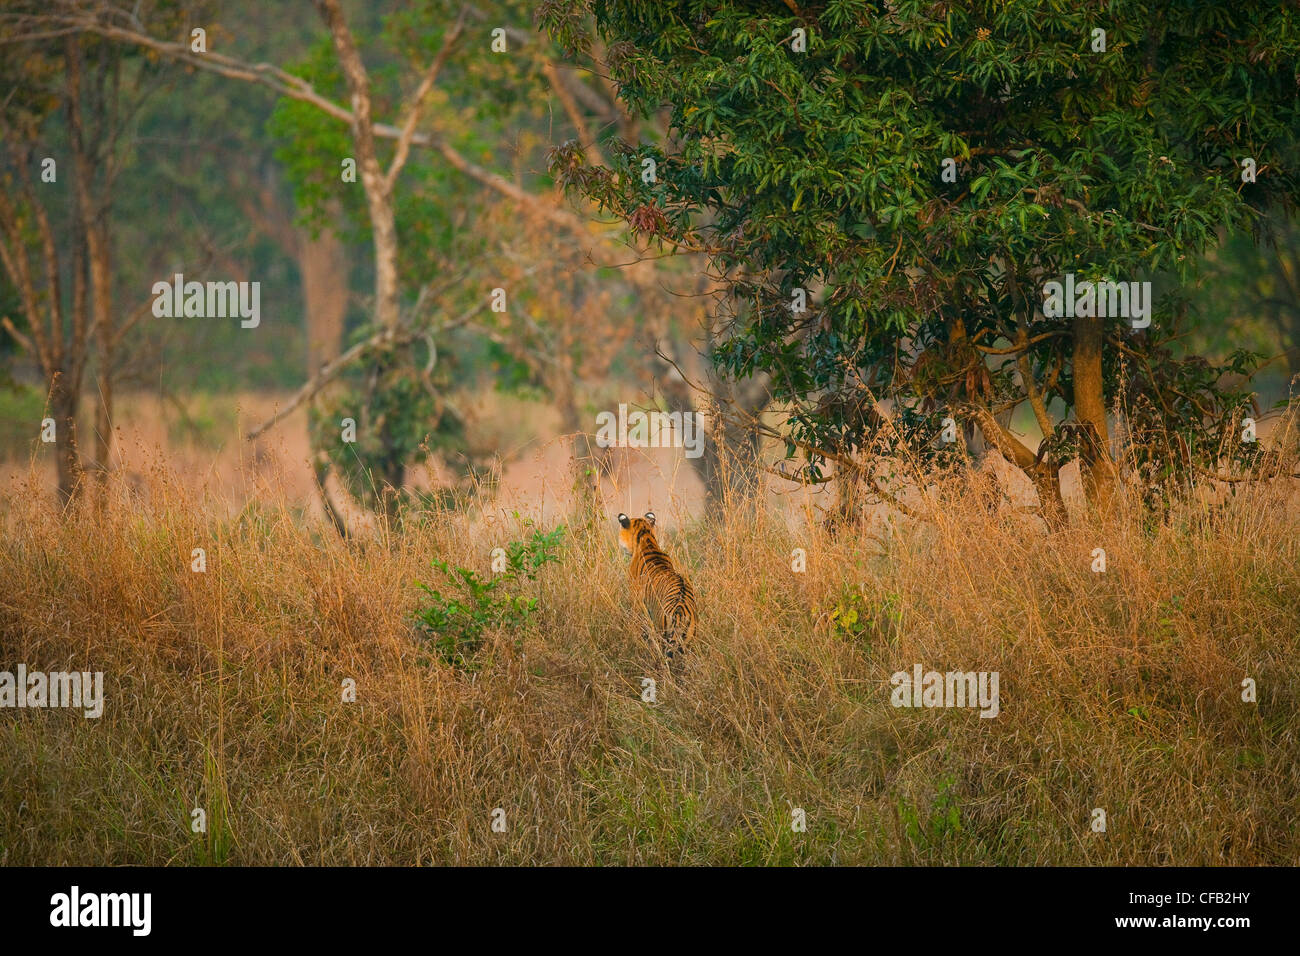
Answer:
(1119, 690)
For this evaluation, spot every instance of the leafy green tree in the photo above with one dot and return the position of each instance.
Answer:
(494, 107)
(918, 172)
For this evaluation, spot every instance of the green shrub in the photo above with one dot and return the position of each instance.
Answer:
(456, 620)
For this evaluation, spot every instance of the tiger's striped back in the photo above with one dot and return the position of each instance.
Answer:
(666, 593)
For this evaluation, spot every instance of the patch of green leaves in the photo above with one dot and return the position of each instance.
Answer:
(463, 606)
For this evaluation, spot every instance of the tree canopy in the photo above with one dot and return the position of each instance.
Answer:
(918, 172)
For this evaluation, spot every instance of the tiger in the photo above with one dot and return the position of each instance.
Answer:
(666, 593)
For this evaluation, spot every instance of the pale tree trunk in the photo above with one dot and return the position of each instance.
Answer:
(378, 186)
(379, 205)
(375, 183)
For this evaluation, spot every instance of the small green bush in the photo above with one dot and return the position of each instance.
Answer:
(457, 619)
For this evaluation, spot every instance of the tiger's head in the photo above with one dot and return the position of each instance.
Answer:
(631, 527)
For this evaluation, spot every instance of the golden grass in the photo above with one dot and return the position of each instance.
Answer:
(1119, 690)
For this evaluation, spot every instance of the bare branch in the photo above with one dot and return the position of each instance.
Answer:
(416, 106)
(295, 87)
(383, 225)
(331, 369)
(571, 108)
(1001, 439)
(18, 337)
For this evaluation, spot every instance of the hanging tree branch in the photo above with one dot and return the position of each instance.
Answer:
(295, 87)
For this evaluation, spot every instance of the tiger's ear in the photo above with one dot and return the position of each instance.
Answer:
(650, 516)
(624, 520)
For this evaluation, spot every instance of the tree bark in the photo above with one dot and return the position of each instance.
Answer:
(1097, 464)
(379, 203)
(383, 226)
(324, 270)
(60, 358)
(92, 214)
(728, 467)
(63, 406)
(1044, 473)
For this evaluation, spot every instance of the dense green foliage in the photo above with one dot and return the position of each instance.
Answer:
(822, 170)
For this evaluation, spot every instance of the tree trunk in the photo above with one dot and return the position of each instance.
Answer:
(383, 225)
(1046, 478)
(1287, 321)
(61, 358)
(1097, 464)
(728, 466)
(63, 407)
(379, 202)
(92, 215)
(101, 283)
(324, 270)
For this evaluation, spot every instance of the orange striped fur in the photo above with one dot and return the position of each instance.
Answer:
(666, 593)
